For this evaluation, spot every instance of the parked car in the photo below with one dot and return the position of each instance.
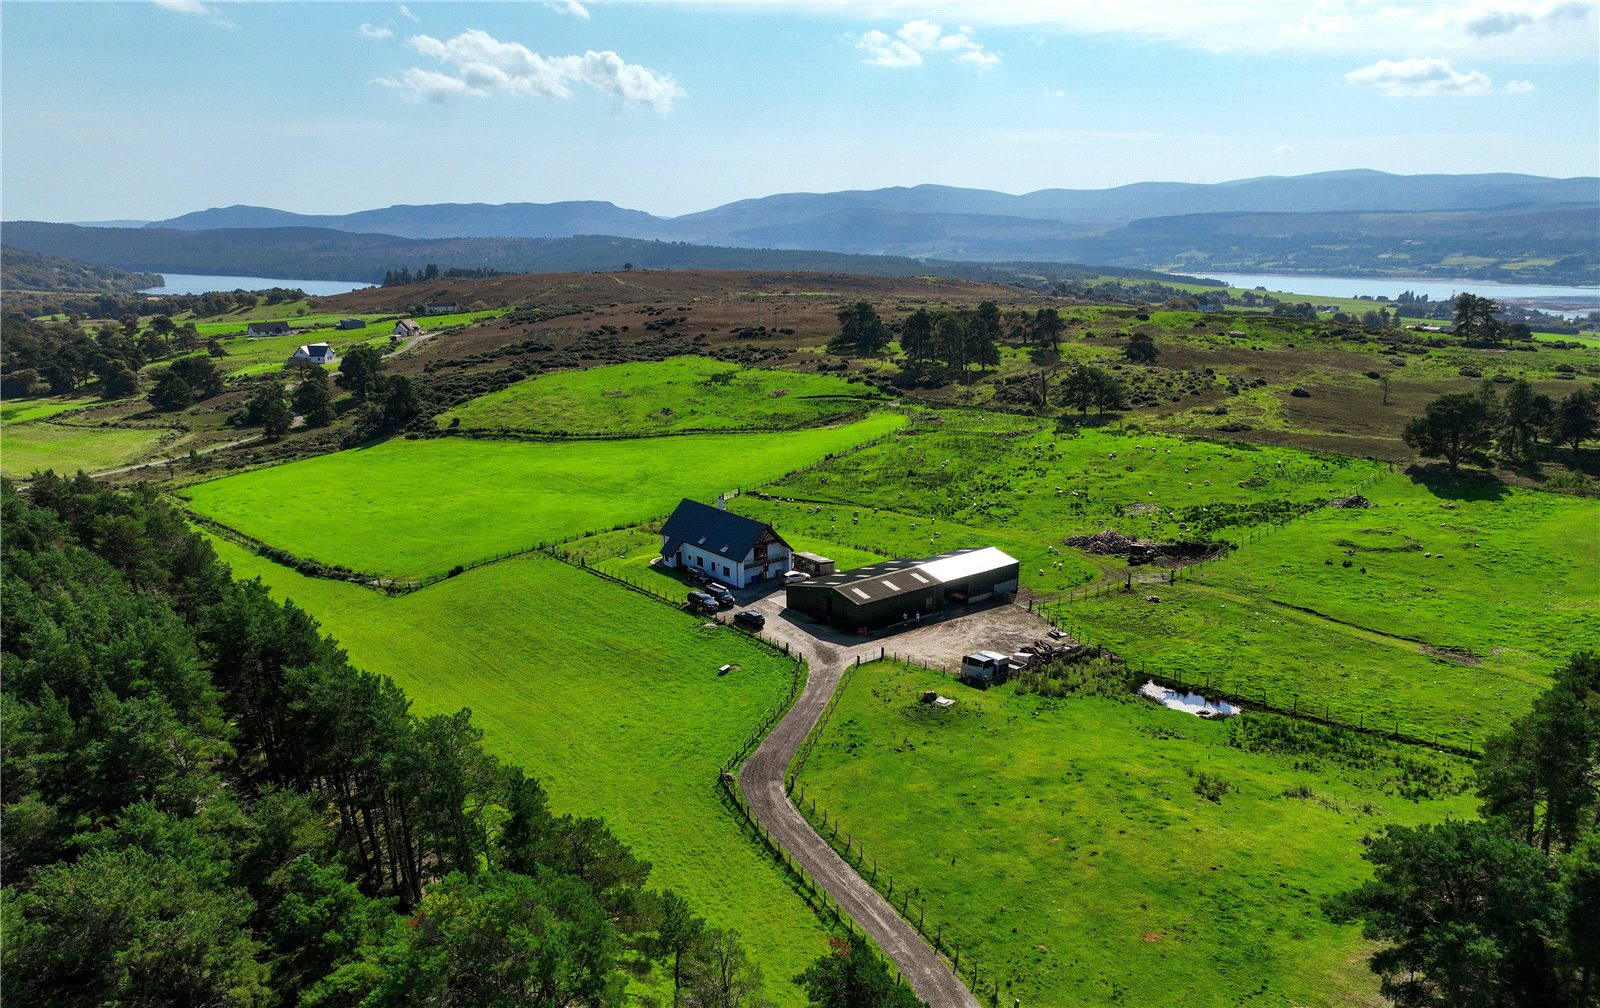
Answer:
(697, 575)
(790, 577)
(699, 601)
(723, 596)
(750, 619)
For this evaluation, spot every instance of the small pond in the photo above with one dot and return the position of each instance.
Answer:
(1192, 703)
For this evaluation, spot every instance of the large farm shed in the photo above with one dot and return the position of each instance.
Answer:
(868, 598)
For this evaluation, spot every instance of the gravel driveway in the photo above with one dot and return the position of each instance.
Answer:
(939, 643)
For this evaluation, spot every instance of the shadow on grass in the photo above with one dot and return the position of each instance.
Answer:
(1459, 486)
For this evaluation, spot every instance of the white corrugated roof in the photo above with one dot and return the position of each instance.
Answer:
(954, 568)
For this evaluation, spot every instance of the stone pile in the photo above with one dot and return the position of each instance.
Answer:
(1102, 543)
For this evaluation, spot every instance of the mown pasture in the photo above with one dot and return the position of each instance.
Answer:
(613, 700)
(16, 411)
(26, 448)
(682, 393)
(1065, 847)
(413, 508)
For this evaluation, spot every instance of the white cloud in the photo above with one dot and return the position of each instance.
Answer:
(484, 65)
(373, 31)
(196, 8)
(1518, 87)
(1420, 77)
(572, 7)
(430, 84)
(1541, 30)
(884, 51)
(1495, 18)
(1283, 150)
(406, 12)
(919, 36)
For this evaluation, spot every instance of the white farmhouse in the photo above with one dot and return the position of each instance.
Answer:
(313, 353)
(736, 550)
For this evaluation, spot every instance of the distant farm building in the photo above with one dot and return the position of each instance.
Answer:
(405, 329)
(267, 329)
(811, 563)
(732, 548)
(352, 323)
(313, 353)
(444, 308)
(894, 591)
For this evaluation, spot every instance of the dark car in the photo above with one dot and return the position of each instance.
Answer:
(750, 619)
(723, 596)
(699, 601)
(697, 575)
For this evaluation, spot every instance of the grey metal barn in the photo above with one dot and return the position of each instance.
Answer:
(869, 598)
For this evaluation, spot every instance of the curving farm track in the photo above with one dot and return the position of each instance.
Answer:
(761, 780)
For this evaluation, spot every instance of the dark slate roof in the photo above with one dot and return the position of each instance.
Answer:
(268, 326)
(711, 529)
(907, 577)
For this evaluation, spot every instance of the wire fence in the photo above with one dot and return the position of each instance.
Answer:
(853, 851)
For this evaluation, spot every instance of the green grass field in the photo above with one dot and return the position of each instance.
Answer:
(1453, 611)
(611, 699)
(1000, 472)
(411, 508)
(17, 411)
(1062, 844)
(29, 447)
(683, 393)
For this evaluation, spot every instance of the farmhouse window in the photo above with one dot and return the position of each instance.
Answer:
(761, 552)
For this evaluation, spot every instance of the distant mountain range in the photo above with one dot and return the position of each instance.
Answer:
(1494, 226)
(321, 253)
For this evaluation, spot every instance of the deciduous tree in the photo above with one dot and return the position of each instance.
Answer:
(851, 975)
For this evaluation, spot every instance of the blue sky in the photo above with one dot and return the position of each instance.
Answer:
(147, 110)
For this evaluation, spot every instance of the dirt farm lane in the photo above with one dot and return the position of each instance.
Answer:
(761, 779)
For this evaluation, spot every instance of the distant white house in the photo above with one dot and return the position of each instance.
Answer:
(313, 353)
(267, 329)
(405, 329)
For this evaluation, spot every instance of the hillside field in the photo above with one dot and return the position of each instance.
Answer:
(681, 393)
(611, 699)
(413, 508)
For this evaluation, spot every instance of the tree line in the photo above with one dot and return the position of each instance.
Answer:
(403, 276)
(206, 804)
(1459, 426)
